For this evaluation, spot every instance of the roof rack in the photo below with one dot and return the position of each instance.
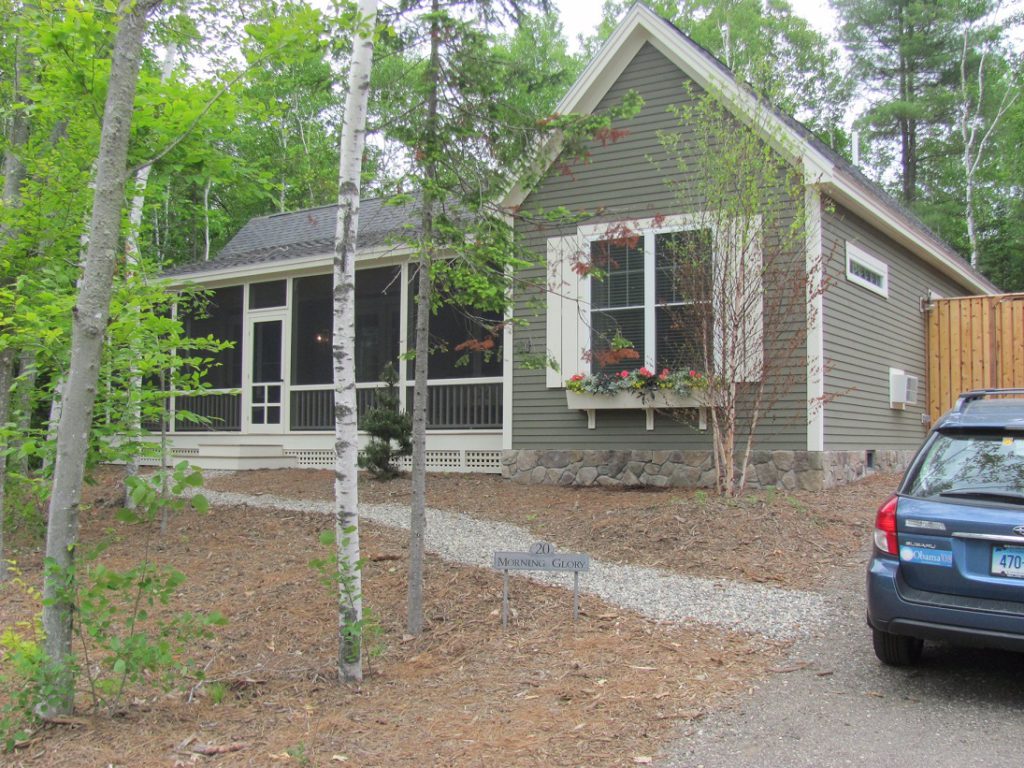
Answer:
(980, 394)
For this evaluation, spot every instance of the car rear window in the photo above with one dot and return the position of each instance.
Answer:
(965, 462)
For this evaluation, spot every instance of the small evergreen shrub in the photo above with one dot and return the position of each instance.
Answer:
(390, 430)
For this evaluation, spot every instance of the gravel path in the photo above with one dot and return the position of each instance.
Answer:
(780, 614)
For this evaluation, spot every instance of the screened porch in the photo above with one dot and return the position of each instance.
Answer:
(277, 377)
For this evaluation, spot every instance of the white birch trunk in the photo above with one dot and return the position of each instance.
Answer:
(971, 120)
(346, 487)
(133, 258)
(89, 323)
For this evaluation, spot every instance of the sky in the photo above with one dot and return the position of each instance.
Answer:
(581, 16)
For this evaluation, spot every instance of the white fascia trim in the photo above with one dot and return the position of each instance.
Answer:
(289, 267)
(815, 320)
(585, 94)
(927, 248)
(643, 25)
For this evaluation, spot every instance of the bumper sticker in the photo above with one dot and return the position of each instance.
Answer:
(924, 556)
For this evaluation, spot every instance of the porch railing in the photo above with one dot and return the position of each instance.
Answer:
(461, 405)
(223, 410)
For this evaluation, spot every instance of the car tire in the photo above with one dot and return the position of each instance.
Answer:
(896, 650)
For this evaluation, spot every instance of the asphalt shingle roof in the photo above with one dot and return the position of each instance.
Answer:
(309, 232)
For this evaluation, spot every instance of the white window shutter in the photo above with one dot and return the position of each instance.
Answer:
(568, 309)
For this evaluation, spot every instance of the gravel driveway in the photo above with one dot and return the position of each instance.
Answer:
(838, 706)
(831, 704)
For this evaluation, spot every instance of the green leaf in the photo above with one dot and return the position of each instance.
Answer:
(126, 515)
(327, 538)
(200, 504)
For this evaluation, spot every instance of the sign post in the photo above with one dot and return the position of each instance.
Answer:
(541, 557)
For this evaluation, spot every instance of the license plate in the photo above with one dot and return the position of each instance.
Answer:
(1008, 561)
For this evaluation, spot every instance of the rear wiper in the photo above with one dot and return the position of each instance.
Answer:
(1016, 498)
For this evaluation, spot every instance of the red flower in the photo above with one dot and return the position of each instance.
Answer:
(645, 373)
(664, 374)
(694, 373)
(624, 374)
(577, 377)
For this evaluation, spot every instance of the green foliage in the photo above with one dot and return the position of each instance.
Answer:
(27, 677)
(390, 430)
(216, 691)
(126, 635)
(356, 635)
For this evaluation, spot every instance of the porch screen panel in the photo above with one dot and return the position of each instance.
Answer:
(221, 317)
(453, 326)
(267, 295)
(311, 330)
(378, 320)
(617, 305)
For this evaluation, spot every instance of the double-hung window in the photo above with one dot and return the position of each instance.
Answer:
(658, 293)
(649, 300)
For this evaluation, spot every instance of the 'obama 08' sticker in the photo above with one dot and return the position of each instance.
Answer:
(940, 557)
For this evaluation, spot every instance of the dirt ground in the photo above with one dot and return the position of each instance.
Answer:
(606, 691)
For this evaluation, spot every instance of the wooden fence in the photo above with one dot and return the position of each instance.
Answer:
(974, 342)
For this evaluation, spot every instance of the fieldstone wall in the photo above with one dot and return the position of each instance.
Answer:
(692, 469)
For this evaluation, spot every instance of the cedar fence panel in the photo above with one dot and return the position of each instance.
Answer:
(974, 342)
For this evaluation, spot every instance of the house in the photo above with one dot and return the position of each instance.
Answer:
(848, 406)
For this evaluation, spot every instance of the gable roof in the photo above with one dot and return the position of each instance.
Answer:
(281, 237)
(823, 168)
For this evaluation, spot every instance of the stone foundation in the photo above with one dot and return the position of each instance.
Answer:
(791, 470)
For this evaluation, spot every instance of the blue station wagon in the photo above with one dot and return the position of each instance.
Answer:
(948, 561)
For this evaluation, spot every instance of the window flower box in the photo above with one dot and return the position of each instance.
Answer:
(648, 401)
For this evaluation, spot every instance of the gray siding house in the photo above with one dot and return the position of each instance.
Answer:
(839, 415)
(844, 408)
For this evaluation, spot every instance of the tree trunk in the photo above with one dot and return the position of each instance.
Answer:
(346, 441)
(89, 323)
(418, 510)
(133, 259)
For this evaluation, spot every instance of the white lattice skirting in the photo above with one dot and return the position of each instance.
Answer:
(437, 461)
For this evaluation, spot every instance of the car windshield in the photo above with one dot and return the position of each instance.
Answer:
(971, 464)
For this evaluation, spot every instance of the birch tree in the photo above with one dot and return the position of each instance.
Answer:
(977, 78)
(89, 321)
(740, 277)
(346, 489)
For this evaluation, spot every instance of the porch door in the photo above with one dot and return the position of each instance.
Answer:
(266, 373)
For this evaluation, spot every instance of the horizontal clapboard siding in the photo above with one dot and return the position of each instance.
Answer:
(620, 181)
(866, 334)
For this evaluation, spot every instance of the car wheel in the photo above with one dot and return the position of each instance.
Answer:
(896, 650)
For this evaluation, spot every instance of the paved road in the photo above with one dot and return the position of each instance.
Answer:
(960, 707)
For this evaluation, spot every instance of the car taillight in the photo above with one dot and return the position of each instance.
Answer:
(885, 527)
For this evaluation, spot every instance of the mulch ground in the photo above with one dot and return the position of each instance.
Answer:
(791, 539)
(608, 690)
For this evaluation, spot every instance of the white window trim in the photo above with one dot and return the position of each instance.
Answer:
(646, 229)
(855, 254)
